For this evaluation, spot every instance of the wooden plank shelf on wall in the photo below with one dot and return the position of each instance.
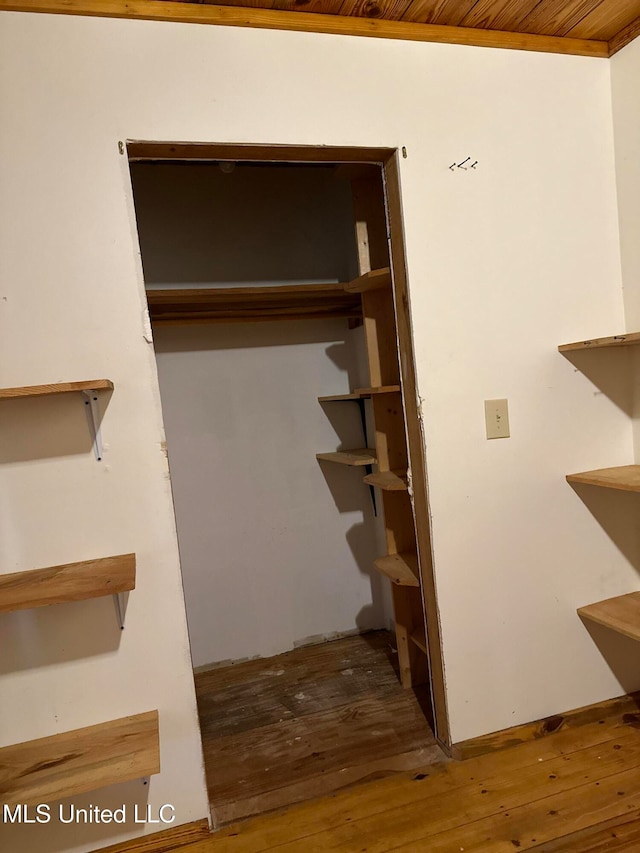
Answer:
(401, 569)
(361, 456)
(624, 477)
(388, 481)
(621, 614)
(251, 304)
(69, 582)
(82, 760)
(372, 280)
(361, 394)
(625, 340)
(55, 388)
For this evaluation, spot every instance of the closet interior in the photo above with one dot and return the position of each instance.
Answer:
(271, 299)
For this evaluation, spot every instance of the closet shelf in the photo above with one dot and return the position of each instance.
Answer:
(363, 456)
(69, 582)
(361, 393)
(402, 569)
(388, 481)
(621, 614)
(625, 340)
(418, 638)
(625, 477)
(373, 280)
(55, 388)
(75, 762)
(250, 304)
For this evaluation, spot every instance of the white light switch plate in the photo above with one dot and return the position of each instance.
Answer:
(496, 415)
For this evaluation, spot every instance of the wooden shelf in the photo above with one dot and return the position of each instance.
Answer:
(419, 639)
(625, 340)
(621, 614)
(388, 481)
(75, 762)
(401, 569)
(363, 456)
(373, 280)
(55, 388)
(625, 477)
(251, 304)
(69, 582)
(361, 394)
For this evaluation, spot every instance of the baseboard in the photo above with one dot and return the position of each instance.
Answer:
(607, 711)
(165, 841)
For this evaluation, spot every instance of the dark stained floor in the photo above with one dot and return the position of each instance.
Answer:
(281, 730)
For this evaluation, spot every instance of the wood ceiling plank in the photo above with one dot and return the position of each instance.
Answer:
(388, 10)
(446, 12)
(606, 20)
(231, 16)
(556, 19)
(323, 7)
(625, 36)
(498, 14)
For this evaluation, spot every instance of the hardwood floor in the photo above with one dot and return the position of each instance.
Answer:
(576, 790)
(313, 721)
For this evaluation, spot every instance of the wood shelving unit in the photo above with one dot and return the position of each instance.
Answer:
(372, 280)
(69, 582)
(624, 477)
(252, 304)
(363, 456)
(71, 763)
(55, 388)
(388, 481)
(625, 340)
(621, 614)
(401, 569)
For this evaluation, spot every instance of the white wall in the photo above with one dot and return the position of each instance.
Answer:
(505, 262)
(625, 72)
(275, 548)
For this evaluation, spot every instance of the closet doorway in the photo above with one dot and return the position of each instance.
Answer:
(277, 296)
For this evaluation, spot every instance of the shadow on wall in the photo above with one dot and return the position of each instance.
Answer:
(342, 356)
(51, 635)
(613, 371)
(222, 336)
(621, 653)
(362, 542)
(617, 513)
(57, 835)
(46, 427)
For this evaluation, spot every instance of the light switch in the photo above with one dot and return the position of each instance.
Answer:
(496, 415)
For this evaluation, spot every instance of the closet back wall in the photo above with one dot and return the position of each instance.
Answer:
(275, 548)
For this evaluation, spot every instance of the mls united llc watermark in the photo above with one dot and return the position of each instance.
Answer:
(44, 813)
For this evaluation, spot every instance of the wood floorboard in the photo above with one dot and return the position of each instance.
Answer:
(367, 783)
(569, 792)
(316, 720)
(257, 693)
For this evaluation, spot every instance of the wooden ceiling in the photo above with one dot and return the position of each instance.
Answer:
(585, 27)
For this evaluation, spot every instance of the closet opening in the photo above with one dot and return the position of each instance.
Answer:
(277, 295)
